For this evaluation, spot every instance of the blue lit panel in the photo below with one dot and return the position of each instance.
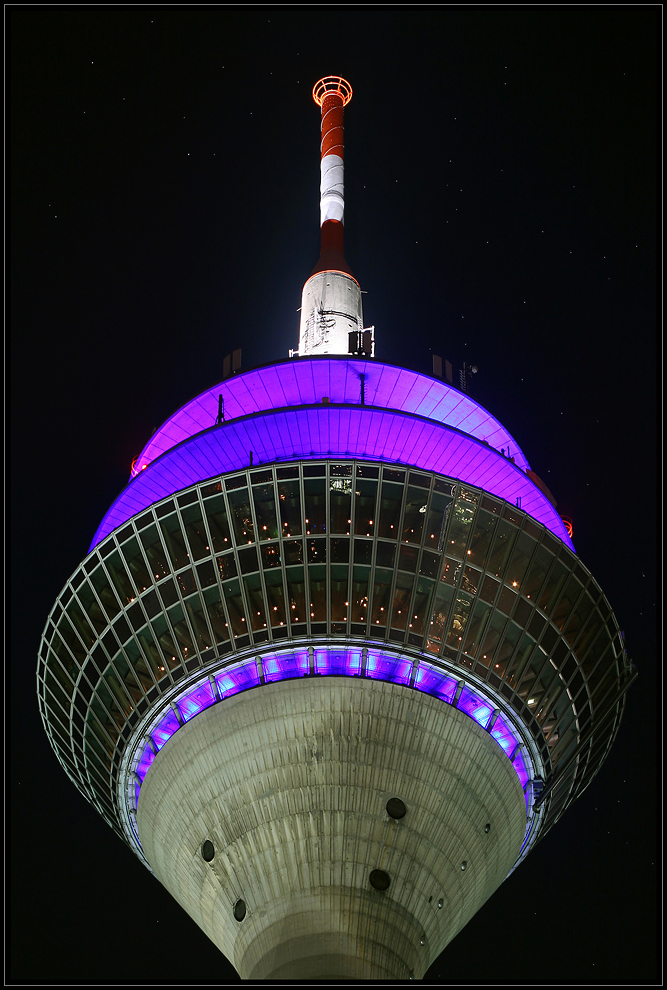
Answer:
(519, 765)
(308, 380)
(384, 668)
(283, 667)
(240, 679)
(474, 706)
(332, 661)
(338, 662)
(144, 763)
(435, 682)
(165, 729)
(196, 701)
(325, 432)
(504, 735)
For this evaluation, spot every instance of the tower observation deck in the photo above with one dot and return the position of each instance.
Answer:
(331, 667)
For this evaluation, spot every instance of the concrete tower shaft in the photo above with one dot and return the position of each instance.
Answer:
(290, 786)
(331, 300)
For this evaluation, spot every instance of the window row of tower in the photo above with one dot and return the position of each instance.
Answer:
(310, 550)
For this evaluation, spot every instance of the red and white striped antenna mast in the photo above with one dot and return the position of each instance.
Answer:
(331, 311)
(332, 94)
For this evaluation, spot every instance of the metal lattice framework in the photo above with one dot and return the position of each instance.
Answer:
(332, 84)
(237, 571)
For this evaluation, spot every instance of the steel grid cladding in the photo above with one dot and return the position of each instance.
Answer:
(460, 582)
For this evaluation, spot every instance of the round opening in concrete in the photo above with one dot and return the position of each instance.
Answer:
(395, 808)
(239, 910)
(207, 851)
(379, 879)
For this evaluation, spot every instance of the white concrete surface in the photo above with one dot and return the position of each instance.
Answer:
(290, 781)
(330, 309)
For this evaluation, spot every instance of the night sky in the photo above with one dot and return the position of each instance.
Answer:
(501, 208)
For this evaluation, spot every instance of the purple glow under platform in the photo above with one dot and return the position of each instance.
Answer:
(307, 381)
(337, 661)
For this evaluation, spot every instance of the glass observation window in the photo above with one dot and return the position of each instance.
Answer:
(134, 561)
(474, 631)
(121, 581)
(174, 541)
(414, 515)
(390, 510)
(501, 657)
(218, 523)
(105, 593)
(480, 540)
(296, 594)
(340, 599)
(289, 501)
(195, 532)
(346, 550)
(242, 522)
(265, 512)
(537, 572)
(460, 613)
(364, 507)
(501, 548)
(232, 595)
(276, 598)
(518, 565)
(360, 591)
(91, 609)
(315, 505)
(70, 638)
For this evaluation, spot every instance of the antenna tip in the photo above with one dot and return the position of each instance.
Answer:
(332, 84)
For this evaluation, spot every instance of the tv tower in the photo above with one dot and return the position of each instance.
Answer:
(331, 667)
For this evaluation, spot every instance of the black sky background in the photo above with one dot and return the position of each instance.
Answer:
(501, 207)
